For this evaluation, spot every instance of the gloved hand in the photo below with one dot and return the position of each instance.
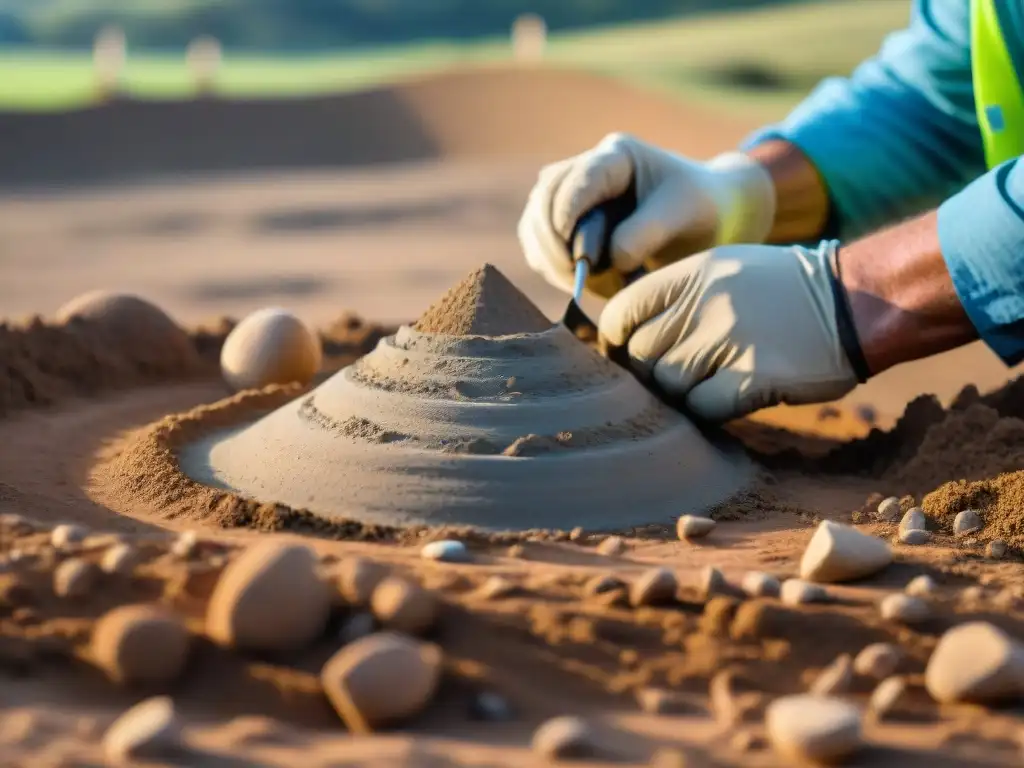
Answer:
(683, 207)
(739, 328)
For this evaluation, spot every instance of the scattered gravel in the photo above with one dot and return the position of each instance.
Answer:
(185, 545)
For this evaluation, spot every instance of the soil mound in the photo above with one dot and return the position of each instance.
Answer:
(492, 112)
(489, 424)
(485, 303)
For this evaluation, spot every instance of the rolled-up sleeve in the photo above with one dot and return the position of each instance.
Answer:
(900, 134)
(981, 233)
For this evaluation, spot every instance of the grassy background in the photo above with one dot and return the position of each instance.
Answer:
(762, 60)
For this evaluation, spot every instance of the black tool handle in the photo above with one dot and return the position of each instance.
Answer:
(592, 238)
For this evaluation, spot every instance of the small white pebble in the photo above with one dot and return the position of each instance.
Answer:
(563, 737)
(654, 586)
(888, 510)
(920, 586)
(886, 696)
(447, 551)
(904, 608)
(996, 549)
(758, 584)
(836, 678)
(878, 660)
(611, 546)
(148, 730)
(74, 578)
(691, 527)
(712, 583)
(66, 534)
(914, 519)
(914, 537)
(797, 592)
(967, 522)
(185, 545)
(120, 559)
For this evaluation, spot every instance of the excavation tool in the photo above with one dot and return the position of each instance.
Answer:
(592, 255)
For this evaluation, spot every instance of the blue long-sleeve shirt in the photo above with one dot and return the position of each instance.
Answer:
(901, 136)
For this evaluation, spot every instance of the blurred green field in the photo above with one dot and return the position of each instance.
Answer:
(755, 60)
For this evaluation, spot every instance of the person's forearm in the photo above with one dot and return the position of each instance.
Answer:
(801, 199)
(901, 296)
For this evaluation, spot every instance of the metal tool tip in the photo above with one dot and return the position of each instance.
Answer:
(582, 270)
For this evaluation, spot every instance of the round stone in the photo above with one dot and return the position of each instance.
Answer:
(813, 728)
(446, 551)
(693, 527)
(888, 510)
(269, 599)
(381, 679)
(270, 346)
(403, 606)
(141, 644)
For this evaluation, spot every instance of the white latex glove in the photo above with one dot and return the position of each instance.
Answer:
(736, 328)
(683, 207)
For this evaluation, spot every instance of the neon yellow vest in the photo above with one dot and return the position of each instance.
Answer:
(998, 97)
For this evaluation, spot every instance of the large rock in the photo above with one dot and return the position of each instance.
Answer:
(403, 606)
(381, 679)
(142, 644)
(813, 728)
(269, 599)
(841, 553)
(975, 662)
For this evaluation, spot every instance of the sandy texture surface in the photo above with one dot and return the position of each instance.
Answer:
(521, 430)
(663, 666)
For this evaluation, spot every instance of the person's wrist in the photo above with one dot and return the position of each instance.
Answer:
(846, 326)
(745, 196)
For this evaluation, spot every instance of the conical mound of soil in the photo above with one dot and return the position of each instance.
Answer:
(484, 303)
(499, 421)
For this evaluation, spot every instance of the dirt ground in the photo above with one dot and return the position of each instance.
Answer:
(383, 233)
